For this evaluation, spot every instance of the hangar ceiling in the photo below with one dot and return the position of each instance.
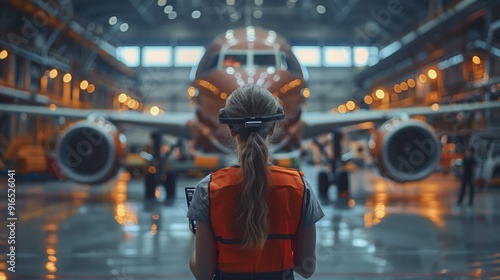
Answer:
(309, 22)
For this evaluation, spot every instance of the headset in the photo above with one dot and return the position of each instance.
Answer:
(251, 123)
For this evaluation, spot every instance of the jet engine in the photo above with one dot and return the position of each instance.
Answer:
(405, 150)
(91, 151)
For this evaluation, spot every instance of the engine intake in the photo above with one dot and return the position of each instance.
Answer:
(91, 151)
(406, 150)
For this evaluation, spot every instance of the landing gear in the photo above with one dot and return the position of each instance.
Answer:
(343, 184)
(155, 174)
(149, 185)
(169, 184)
(323, 184)
(340, 177)
(154, 170)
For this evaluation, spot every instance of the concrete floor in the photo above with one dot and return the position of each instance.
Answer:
(384, 231)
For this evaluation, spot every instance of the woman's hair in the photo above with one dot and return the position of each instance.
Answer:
(253, 154)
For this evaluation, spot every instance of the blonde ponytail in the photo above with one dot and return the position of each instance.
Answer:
(253, 153)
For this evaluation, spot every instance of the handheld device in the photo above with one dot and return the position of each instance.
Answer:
(189, 197)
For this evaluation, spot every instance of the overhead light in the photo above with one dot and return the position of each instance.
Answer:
(257, 14)
(290, 4)
(380, 94)
(234, 17)
(4, 54)
(476, 59)
(320, 9)
(113, 20)
(172, 15)
(350, 105)
(122, 97)
(432, 74)
(91, 88)
(229, 34)
(131, 103)
(124, 27)
(411, 82)
(137, 105)
(53, 73)
(306, 93)
(67, 78)
(342, 109)
(368, 100)
(162, 3)
(397, 88)
(168, 9)
(84, 84)
(154, 111)
(196, 14)
(422, 78)
(258, 2)
(230, 2)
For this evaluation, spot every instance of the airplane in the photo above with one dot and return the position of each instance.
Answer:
(91, 150)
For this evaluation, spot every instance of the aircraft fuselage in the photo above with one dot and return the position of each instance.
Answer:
(247, 56)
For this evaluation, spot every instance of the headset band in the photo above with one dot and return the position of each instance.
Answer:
(251, 123)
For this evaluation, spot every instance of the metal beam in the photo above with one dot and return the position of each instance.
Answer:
(343, 10)
(143, 11)
(421, 36)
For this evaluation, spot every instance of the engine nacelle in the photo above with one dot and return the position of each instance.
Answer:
(91, 151)
(405, 150)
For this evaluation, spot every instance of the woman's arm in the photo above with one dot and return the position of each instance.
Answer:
(304, 255)
(204, 259)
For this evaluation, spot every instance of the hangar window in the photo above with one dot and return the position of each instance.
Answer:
(128, 56)
(308, 56)
(364, 56)
(156, 56)
(337, 56)
(187, 56)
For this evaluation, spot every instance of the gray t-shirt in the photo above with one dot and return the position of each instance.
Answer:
(199, 209)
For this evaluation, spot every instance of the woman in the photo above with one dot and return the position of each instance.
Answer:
(255, 220)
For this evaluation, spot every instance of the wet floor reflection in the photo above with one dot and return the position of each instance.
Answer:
(409, 228)
(383, 230)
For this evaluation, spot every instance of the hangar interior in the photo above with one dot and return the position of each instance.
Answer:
(61, 61)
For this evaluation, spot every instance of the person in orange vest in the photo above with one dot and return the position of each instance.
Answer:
(254, 220)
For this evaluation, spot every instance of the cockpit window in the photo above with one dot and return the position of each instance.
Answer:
(245, 59)
(234, 60)
(264, 60)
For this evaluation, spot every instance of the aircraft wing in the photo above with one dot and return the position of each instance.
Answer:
(317, 123)
(171, 123)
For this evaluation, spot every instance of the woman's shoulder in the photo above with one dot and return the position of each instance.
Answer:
(289, 170)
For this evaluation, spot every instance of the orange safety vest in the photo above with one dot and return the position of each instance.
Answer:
(285, 200)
